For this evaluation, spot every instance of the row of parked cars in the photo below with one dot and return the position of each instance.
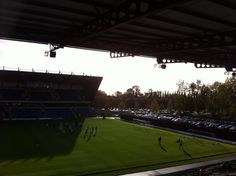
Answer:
(200, 122)
(188, 120)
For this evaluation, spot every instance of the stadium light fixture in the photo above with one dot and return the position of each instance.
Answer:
(52, 50)
(46, 53)
(53, 54)
(163, 66)
(50, 53)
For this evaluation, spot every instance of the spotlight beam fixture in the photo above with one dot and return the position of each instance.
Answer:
(52, 50)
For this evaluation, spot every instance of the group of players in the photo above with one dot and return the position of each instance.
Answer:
(178, 141)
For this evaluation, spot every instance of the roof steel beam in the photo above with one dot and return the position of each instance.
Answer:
(183, 24)
(117, 36)
(30, 24)
(224, 3)
(108, 45)
(24, 33)
(54, 6)
(39, 13)
(143, 33)
(204, 16)
(126, 12)
(94, 3)
(122, 41)
(184, 50)
(156, 47)
(33, 20)
(25, 28)
(206, 41)
(218, 40)
(160, 28)
(222, 59)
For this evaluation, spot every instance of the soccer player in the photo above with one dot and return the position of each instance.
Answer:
(159, 140)
(180, 143)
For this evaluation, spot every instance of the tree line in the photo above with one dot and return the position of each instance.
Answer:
(217, 99)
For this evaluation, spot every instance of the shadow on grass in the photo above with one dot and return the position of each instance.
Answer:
(90, 132)
(22, 140)
(186, 152)
(161, 146)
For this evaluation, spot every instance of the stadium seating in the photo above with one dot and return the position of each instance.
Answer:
(85, 111)
(71, 95)
(59, 112)
(11, 94)
(39, 95)
(21, 113)
(24, 113)
(32, 95)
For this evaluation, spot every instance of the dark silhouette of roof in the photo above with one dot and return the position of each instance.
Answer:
(198, 31)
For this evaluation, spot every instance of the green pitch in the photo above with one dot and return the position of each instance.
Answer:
(109, 147)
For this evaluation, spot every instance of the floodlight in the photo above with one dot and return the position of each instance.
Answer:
(53, 54)
(163, 66)
(46, 53)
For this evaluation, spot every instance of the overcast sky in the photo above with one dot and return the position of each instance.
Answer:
(118, 74)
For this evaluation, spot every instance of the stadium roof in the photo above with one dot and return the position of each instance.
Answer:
(198, 31)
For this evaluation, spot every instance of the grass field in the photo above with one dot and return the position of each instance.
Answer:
(32, 149)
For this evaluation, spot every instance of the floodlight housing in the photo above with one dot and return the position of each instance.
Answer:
(53, 54)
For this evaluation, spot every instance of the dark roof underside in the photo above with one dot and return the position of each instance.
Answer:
(198, 31)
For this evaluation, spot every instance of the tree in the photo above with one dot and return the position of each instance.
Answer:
(136, 90)
(181, 87)
(218, 98)
(129, 92)
(100, 99)
(118, 94)
(150, 91)
(214, 87)
(154, 105)
(192, 88)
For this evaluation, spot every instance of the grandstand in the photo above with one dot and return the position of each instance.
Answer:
(32, 95)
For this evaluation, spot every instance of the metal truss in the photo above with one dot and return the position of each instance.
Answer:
(204, 16)
(106, 44)
(207, 58)
(185, 46)
(201, 42)
(126, 12)
(197, 50)
(192, 50)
